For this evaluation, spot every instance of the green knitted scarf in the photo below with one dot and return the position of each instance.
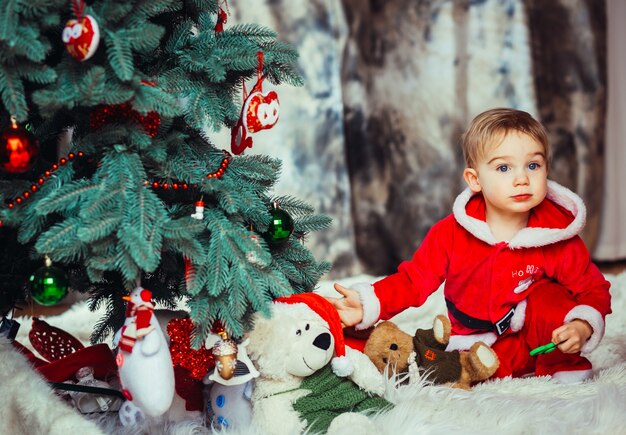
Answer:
(330, 396)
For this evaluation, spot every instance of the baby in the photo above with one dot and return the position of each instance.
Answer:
(517, 275)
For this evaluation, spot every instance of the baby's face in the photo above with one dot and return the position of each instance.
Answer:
(513, 175)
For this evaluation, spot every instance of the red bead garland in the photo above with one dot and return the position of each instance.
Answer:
(155, 184)
(34, 187)
(220, 171)
(178, 185)
(166, 186)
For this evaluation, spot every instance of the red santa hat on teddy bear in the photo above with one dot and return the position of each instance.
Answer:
(341, 364)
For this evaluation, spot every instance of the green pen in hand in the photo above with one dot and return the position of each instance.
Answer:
(546, 348)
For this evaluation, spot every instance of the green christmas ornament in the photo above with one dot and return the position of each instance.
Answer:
(281, 226)
(48, 285)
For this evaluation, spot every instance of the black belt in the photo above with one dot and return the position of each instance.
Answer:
(482, 325)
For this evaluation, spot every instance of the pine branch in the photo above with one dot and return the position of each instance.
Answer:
(8, 19)
(58, 236)
(98, 229)
(65, 197)
(143, 10)
(12, 91)
(308, 224)
(119, 54)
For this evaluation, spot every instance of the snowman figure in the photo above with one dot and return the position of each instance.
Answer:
(144, 361)
(229, 400)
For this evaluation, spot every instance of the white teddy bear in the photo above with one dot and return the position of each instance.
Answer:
(292, 351)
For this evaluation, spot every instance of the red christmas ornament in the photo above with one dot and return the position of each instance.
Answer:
(81, 35)
(18, 149)
(259, 112)
(197, 362)
(105, 114)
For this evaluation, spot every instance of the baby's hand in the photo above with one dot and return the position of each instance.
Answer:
(349, 306)
(572, 336)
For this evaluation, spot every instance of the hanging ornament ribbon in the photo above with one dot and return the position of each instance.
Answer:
(222, 16)
(78, 6)
(81, 35)
(260, 111)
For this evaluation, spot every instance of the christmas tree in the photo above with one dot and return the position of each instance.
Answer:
(108, 170)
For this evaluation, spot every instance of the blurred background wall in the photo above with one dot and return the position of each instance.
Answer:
(371, 139)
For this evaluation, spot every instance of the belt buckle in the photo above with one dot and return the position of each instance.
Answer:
(503, 324)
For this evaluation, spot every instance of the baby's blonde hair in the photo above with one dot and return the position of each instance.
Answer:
(488, 129)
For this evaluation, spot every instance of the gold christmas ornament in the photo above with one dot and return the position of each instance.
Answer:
(225, 356)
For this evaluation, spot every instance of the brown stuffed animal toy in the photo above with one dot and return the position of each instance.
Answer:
(389, 346)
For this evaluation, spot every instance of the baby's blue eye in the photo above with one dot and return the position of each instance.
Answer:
(502, 168)
(533, 166)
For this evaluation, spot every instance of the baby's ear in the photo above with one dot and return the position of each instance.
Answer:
(471, 178)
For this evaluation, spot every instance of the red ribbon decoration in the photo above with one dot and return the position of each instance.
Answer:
(78, 6)
(221, 18)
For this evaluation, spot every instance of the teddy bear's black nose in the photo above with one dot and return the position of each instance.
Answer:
(322, 341)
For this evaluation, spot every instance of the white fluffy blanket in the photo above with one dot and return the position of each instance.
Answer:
(509, 406)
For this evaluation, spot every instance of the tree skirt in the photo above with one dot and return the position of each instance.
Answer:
(511, 406)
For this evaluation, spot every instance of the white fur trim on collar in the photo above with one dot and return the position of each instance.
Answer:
(594, 318)
(527, 237)
(476, 227)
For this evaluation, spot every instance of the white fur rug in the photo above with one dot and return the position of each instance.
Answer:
(509, 406)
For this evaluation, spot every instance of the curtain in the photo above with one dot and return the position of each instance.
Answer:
(568, 40)
(612, 236)
(414, 74)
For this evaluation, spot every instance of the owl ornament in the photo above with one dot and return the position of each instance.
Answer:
(81, 35)
(260, 111)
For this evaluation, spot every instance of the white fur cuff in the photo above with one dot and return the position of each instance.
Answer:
(572, 377)
(464, 342)
(594, 318)
(370, 303)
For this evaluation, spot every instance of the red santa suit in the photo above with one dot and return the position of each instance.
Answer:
(509, 295)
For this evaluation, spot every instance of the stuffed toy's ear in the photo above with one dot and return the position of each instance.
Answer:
(259, 336)
(389, 346)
